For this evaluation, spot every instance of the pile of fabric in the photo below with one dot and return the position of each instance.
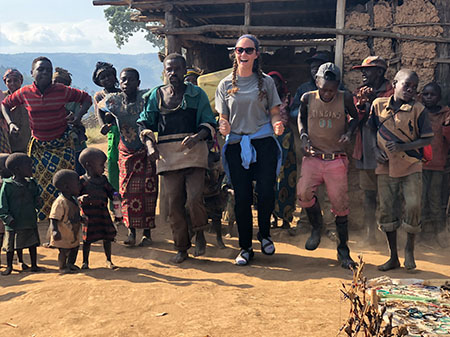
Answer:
(388, 307)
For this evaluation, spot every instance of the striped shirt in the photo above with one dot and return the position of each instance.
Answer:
(46, 110)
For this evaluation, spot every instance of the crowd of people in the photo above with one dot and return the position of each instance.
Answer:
(48, 171)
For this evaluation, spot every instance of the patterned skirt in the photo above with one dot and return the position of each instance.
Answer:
(138, 187)
(99, 225)
(285, 195)
(48, 158)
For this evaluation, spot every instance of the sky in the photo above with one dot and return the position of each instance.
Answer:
(73, 26)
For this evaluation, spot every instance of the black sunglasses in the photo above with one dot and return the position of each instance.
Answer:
(248, 50)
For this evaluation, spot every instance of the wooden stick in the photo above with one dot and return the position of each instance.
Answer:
(230, 42)
(286, 30)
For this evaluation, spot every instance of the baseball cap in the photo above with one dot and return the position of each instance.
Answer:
(329, 68)
(320, 56)
(372, 61)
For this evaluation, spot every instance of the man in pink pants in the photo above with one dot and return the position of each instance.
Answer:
(324, 127)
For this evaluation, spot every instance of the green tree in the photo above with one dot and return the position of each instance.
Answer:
(120, 24)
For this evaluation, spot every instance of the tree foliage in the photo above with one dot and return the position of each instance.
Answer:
(120, 24)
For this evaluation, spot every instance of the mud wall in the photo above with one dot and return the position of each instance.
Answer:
(389, 16)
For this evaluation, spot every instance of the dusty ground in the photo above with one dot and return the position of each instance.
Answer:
(293, 293)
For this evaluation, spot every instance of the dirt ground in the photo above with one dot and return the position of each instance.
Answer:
(293, 293)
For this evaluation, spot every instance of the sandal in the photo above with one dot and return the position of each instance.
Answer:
(267, 246)
(244, 257)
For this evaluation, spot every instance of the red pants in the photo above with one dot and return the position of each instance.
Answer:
(333, 173)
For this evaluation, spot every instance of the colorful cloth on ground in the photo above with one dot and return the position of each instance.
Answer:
(96, 193)
(138, 187)
(48, 158)
(46, 111)
(67, 213)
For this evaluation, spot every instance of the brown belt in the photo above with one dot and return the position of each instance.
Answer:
(329, 156)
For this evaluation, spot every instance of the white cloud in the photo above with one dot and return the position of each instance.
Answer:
(89, 36)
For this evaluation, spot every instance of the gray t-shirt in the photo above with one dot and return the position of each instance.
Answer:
(246, 112)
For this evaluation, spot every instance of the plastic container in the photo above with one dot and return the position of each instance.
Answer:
(117, 206)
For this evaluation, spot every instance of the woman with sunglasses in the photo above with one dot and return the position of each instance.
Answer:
(249, 108)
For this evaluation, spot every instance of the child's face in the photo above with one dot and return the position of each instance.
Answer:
(430, 97)
(107, 79)
(26, 168)
(73, 186)
(405, 88)
(97, 166)
(327, 89)
(13, 83)
(129, 82)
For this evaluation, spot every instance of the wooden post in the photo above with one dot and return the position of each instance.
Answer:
(247, 14)
(172, 42)
(340, 21)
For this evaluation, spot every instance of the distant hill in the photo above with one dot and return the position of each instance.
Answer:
(82, 65)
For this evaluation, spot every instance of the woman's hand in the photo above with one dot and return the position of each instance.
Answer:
(278, 128)
(224, 127)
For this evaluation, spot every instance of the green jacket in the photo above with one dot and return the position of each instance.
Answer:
(18, 203)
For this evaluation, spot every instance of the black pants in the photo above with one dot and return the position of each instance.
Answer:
(264, 172)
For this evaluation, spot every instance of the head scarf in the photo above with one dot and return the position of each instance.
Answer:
(284, 87)
(192, 71)
(101, 67)
(251, 37)
(12, 73)
(63, 74)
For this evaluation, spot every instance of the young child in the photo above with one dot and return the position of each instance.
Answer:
(137, 177)
(65, 220)
(322, 124)
(400, 127)
(4, 173)
(433, 170)
(19, 199)
(94, 195)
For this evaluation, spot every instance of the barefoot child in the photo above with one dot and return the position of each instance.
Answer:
(433, 170)
(400, 128)
(65, 220)
(94, 195)
(137, 177)
(19, 199)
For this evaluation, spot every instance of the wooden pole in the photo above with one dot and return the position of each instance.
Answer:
(247, 14)
(172, 44)
(152, 4)
(340, 21)
(284, 30)
(230, 42)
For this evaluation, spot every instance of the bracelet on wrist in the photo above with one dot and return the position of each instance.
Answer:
(304, 134)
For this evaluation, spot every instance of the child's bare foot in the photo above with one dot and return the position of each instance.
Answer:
(85, 266)
(110, 265)
(200, 244)
(180, 257)
(36, 269)
(131, 240)
(24, 266)
(145, 242)
(390, 264)
(7, 271)
(73, 267)
(409, 259)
